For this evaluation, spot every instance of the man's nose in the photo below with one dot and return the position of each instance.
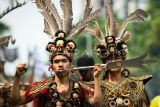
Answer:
(60, 64)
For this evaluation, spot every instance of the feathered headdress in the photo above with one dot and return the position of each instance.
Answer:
(62, 28)
(115, 41)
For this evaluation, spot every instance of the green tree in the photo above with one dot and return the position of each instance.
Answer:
(146, 39)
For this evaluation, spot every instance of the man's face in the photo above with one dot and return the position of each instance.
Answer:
(60, 64)
(116, 69)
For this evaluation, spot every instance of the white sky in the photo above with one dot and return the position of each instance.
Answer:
(26, 25)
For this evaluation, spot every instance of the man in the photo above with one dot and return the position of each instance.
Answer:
(118, 88)
(58, 91)
(122, 90)
(87, 74)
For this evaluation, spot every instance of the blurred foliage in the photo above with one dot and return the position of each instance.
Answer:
(152, 33)
(3, 28)
(146, 39)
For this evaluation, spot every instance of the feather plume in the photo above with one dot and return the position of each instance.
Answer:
(76, 30)
(109, 11)
(99, 34)
(47, 28)
(137, 16)
(90, 31)
(52, 9)
(141, 13)
(107, 24)
(127, 35)
(88, 9)
(50, 19)
(81, 25)
(66, 6)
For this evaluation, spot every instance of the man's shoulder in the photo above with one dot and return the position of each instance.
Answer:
(145, 78)
(38, 87)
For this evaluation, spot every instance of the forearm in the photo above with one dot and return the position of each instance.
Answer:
(97, 93)
(16, 90)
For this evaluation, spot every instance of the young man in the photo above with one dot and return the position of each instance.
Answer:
(122, 90)
(119, 90)
(58, 91)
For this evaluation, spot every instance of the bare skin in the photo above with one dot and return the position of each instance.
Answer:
(60, 63)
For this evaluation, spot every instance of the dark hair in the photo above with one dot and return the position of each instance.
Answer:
(84, 60)
(60, 31)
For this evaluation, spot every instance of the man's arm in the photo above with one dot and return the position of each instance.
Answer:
(97, 97)
(17, 98)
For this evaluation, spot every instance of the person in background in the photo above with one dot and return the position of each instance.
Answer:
(86, 74)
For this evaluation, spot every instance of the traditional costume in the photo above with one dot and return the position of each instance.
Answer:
(45, 94)
(129, 90)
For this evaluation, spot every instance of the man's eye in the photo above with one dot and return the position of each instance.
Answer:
(56, 61)
(64, 60)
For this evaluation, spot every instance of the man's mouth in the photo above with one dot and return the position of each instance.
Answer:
(61, 70)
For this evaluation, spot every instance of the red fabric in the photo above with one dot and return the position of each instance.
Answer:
(37, 102)
(41, 96)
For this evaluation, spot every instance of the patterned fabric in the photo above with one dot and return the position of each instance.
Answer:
(39, 92)
(5, 96)
(126, 93)
(37, 88)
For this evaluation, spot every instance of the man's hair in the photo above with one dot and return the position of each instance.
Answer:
(84, 60)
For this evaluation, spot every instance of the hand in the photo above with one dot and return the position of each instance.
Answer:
(69, 67)
(97, 70)
(21, 69)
